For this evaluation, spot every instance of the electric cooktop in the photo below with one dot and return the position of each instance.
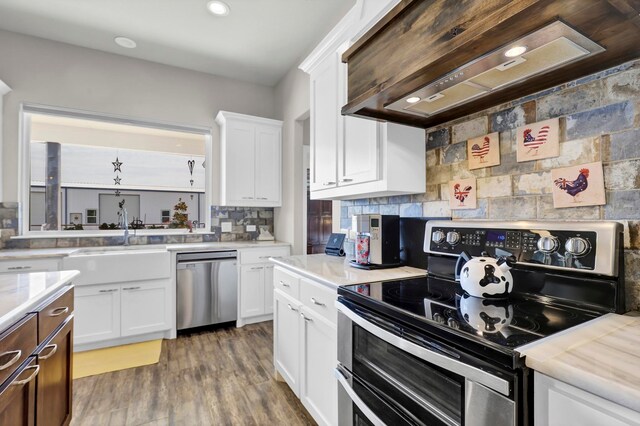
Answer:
(502, 324)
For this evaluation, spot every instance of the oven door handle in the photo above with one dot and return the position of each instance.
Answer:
(469, 372)
(370, 415)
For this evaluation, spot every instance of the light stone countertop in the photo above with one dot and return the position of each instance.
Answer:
(335, 271)
(600, 357)
(63, 252)
(21, 293)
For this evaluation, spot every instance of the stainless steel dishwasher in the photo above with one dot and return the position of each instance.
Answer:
(207, 290)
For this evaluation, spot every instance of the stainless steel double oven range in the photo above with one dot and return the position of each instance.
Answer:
(422, 352)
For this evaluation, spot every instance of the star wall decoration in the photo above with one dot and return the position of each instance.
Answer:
(117, 180)
(117, 193)
(116, 165)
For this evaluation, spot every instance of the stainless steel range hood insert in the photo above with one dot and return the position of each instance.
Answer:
(548, 48)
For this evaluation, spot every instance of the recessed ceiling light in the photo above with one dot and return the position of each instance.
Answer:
(515, 51)
(125, 42)
(218, 8)
(413, 100)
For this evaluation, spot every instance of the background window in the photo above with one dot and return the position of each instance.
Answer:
(166, 216)
(92, 215)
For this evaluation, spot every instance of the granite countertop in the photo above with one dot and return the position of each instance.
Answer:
(20, 293)
(335, 271)
(600, 357)
(63, 252)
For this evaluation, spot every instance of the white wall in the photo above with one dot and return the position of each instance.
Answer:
(51, 73)
(292, 100)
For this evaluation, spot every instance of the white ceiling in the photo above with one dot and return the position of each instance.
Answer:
(259, 41)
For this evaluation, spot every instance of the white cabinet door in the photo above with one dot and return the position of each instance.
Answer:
(30, 265)
(144, 307)
(324, 123)
(359, 141)
(268, 164)
(559, 404)
(286, 339)
(251, 291)
(97, 313)
(239, 158)
(318, 387)
(268, 290)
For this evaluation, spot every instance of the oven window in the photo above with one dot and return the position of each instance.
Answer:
(424, 393)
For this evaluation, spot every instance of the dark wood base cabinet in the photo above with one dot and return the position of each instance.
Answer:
(38, 389)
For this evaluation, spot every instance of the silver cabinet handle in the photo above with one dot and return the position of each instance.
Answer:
(467, 371)
(264, 257)
(291, 308)
(305, 318)
(28, 379)
(255, 268)
(315, 302)
(370, 415)
(328, 183)
(54, 349)
(346, 180)
(59, 311)
(18, 268)
(284, 284)
(13, 360)
(132, 288)
(111, 290)
(247, 198)
(262, 198)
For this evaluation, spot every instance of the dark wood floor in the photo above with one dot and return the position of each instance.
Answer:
(221, 377)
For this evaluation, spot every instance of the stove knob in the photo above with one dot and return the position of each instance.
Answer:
(577, 246)
(453, 323)
(548, 244)
(439, 318)
(453, 238)
(437, 237)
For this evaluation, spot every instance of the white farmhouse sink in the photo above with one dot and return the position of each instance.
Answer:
(119, 264)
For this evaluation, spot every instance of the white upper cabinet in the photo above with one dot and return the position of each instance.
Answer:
(353, 157)
(4, 89)
(251, 160)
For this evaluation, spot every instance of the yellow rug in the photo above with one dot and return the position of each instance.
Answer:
(99, 361)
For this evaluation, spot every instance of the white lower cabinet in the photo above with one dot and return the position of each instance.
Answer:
(286, 339)
(318, 360)
(255, 286)
(17, 266)
(97, 313)
(144, 307)
(557, 403)
(305, 346)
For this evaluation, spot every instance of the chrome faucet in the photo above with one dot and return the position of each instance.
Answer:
(124, 223)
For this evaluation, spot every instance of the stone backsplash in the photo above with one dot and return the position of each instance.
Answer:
(599, 121)
(238, 216)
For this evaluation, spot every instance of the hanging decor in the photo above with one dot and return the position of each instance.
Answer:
(191, 163)
(116, 165)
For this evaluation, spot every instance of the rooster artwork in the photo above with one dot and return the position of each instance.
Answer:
(481, 151)
(534, 143)
(484, 151)
(539, 140)
(574, 188)
(463, 194)
(587, 188)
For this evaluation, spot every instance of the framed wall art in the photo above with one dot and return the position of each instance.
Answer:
(578, 186)
(484, 151)
(538, 140)
(463, 194)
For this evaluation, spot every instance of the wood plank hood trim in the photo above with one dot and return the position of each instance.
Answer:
(419, 42)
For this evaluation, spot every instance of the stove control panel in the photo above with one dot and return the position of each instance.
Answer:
(571, 249)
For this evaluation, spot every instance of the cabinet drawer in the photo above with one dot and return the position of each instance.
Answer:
(17, 344)
(54, 313)
(286, 281)
(319, 298)
(29, 265)
(262, 255)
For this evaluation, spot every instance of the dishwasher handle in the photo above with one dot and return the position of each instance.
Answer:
(187, 265)
(206, 256)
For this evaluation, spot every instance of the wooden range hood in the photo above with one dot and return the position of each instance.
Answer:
(451, 54)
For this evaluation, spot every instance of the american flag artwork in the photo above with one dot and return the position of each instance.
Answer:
(481, 151)
(463, 194)
(535, 142)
